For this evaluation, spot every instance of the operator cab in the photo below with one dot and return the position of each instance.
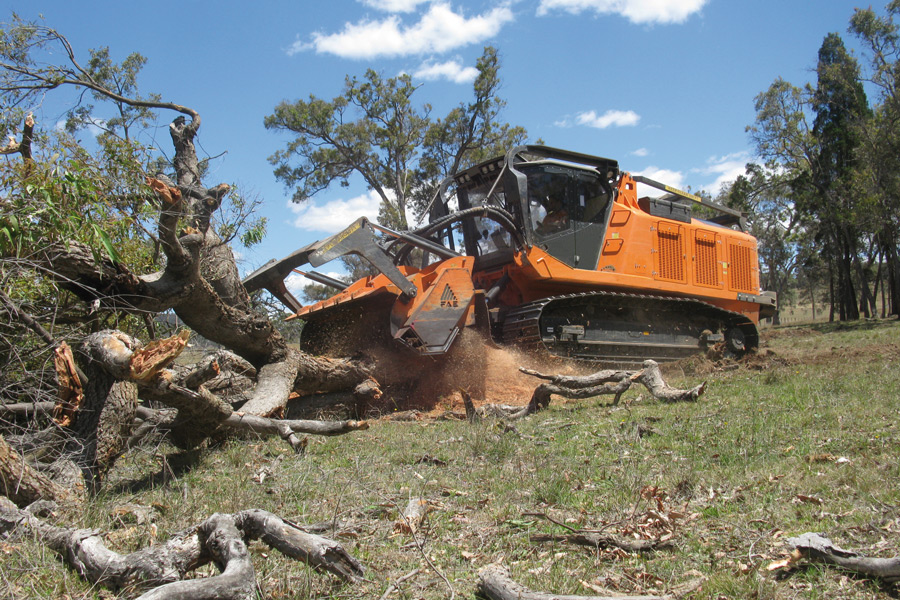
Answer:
(557, 200)
(568, 206)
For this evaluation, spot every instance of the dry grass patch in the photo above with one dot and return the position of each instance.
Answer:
(801, 438)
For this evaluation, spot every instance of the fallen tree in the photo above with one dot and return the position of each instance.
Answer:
(105, 375)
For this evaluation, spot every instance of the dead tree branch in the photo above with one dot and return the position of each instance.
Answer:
(496, 584)
(496, 411)
(221, 539)
(289, 539)
(23, 148)
(608, 382)
(816, 548)
(596, 540)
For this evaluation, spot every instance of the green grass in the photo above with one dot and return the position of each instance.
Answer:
(804, 438)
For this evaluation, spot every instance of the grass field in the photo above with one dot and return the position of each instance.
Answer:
(801, 438)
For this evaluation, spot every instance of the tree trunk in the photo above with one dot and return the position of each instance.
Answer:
(102, 426)
(893, 271)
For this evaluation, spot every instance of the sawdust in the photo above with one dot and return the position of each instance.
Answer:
(716, 361)
(490, 374)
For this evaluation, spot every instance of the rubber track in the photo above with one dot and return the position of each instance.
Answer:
(521, 325)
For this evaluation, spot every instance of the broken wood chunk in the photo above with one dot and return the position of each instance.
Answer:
(148, 361)
(412, 516)
(70, 392)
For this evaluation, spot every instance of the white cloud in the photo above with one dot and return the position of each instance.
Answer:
(439, 30)
(450, 70)
(611, 118)
(636, 11)
(297, 47)
(641, 152)
(334, 216)
(394, 6)
(95, 126)
(725, 168)
(296, 282)
(666, 176)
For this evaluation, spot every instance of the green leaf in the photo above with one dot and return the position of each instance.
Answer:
(107, 244)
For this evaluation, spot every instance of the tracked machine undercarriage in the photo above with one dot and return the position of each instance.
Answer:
(548, 250)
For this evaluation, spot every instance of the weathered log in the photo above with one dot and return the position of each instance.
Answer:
(323, 374)
(816, 548)
(221, 539)
(263, 425)
(200, 412)
(652, 379)
(274, 385)
(85, 551)
(23, 484)
(358, 402)
(496, 584)
(217, 371)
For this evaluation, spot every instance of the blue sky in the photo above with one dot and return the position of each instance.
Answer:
(664, 86)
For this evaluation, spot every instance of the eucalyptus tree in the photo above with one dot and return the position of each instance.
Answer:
(811, 133)
(878, 173)
(374, 130)
(841, 107)
(766, 196)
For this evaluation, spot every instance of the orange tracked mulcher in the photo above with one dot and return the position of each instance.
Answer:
(542, 248)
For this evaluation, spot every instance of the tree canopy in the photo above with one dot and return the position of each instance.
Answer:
(834, 150)
(374, 130)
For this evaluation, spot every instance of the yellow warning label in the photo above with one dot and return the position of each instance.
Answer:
(684, 194)
(340, 238)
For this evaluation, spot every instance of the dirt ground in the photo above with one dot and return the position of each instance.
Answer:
(423, 388)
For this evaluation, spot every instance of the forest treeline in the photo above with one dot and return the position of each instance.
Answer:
(824, 194)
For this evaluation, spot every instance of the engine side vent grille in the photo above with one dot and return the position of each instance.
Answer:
(671, 253)
(706, 266)
(739, 268)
